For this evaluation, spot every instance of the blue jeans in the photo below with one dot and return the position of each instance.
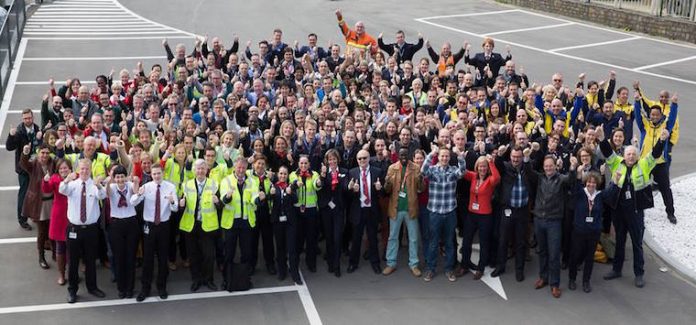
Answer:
(548, 235)
(393, 243)
(442, 226)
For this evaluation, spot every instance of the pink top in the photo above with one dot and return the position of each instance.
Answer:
(59, 210)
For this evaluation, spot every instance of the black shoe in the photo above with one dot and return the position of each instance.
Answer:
(337, 272)
(351, 268)
(271, 269)
(639, 282)
(572, 285)
(586, 287)
(211, 285)
(141, 296)
(376, 268)
(312, 268)
(282, 275)
(519, 276)
(612, 275)
(163, 294)
(121, 295)
(297, 279)
(42, 262)
(672, 219)
(195, 286)
(26, 226)
(97, 293)
(129, 294)
(72, 297)
(366, 256)
(497, 272)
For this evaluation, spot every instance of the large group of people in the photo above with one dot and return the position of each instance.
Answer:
(277, 149)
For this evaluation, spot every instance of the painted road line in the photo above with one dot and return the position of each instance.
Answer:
(67, 38)
(150, 300)
(17, 240)
(529, 29)
(308, 302)
(473, 14)
(557, 53)
(665, 63)
(12, 81)
(97, 58)
(595, 44)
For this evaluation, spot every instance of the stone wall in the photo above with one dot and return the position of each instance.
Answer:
(667, 27)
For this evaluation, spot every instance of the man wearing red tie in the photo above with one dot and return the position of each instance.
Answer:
(160, 201)
(365, 187)
(83, 232)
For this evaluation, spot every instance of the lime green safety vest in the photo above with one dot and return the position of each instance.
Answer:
(209, 216)
(219, 172)
(173, 174)
(266, 186)
(640, 174)
(100, 163)
(307, 193)
(233, 210)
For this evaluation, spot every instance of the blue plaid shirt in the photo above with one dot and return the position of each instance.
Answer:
(520, 195)
(442, 196)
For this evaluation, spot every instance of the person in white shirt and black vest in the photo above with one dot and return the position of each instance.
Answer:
(83, 214)
(160, 201)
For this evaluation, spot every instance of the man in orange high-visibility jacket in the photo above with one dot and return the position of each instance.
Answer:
(356, 38)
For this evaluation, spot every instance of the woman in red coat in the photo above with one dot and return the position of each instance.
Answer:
(59, 213)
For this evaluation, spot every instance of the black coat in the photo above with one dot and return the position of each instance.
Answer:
(355, 174)
(284, 204)
(338, 196)
(17, 142)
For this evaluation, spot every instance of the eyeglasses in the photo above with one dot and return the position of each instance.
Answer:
(362, 158)
(557, 79)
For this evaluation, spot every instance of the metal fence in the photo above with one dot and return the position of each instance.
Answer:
(685, 9)
(10, 35)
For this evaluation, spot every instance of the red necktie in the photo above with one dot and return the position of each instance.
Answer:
(366, 188)
(157, 206)
(83, 204)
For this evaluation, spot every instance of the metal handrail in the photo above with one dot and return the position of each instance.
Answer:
(685, 9)
(11, 33)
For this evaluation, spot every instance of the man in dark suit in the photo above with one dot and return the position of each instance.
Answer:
(365, 187)
(487, 62)
(26, 133)
(404, 51)
(315, 52)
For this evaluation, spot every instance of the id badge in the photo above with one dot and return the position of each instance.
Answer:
(302, 208)
(589, 219)
(628, 195)
(283, 218)
(508, 213)
(474, 206)
(402, 195)
(146, 229)
(332, 205)
(72, 235)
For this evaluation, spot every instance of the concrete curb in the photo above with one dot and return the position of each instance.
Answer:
(676, 265)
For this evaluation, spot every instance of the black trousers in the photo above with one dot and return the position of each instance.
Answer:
(263, 231)
(124, 235)
(631, 222)
(285, 234)
(200, 247)
(368, 222)
(584, 246)
(566, 231)
(333, 220)
(661, 176)
(484, 225)
(155, 242)
(307, 234)
(516, 224)
(175, 233)
(82, 244)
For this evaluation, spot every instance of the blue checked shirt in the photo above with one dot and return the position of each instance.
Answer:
(520, 195)
(442, 196)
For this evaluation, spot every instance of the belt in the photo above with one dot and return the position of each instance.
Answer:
(115, 219)
(152, 224)
(83, 226)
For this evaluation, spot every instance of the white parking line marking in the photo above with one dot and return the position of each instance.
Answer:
(8, 188)
(19, 111)
(664, 63)
(97, 58)
(595, 44)
(122, 302)
(99, 33)
(485, 13)
(105, 38)
(529, 29)
(34, 83)
(557, 53)
(17, 240)
(308, 303)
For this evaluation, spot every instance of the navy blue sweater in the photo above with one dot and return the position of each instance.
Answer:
(582, 208)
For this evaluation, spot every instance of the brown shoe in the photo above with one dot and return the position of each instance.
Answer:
(556, 292)
(540, 283)
(478, 275)
(186, 264)
(388, 270)
(172, 266)
(416, 272)
(461, 271)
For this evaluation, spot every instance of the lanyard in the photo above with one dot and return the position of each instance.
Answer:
(403, 181)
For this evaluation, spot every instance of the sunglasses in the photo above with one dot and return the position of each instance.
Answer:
(362, 158)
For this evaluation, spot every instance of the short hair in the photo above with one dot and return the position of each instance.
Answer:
(120, 170)
(200, 162)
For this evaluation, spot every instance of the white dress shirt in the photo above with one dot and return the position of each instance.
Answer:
(369, 188)
(123, 212)
(149, 196)
(73, 190)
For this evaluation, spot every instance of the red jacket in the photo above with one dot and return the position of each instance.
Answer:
(484, 194)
